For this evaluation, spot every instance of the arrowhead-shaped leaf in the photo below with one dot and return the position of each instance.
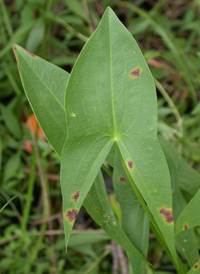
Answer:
(111, 99)
(44, 84)
(35, 65)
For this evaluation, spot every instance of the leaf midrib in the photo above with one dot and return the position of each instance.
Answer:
(43, 82)
(112, 86)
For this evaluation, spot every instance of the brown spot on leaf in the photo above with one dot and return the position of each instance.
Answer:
(130, 164)
(135, 73)
(71, 214)
(196, 259)
(167, 214)
(196, 266)
(185, 227)
(122, 179)
(75, 196)
(30, 53)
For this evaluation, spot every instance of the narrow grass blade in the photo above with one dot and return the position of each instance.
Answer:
(1, 209)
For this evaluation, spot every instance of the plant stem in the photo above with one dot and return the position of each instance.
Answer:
(107, 170)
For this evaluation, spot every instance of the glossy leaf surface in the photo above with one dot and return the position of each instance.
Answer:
(44, 84)
(109, 96)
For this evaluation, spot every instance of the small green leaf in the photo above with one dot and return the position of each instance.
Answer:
(77, 8)
(196, 110)
(11, 167)
(44, 84)
(10, 121)
(35, 37)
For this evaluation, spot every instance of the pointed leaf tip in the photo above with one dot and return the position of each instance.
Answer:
(14, 47)
(110, 12)
(18, 47)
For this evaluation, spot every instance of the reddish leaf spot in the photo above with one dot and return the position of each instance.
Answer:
(71, 215)
(135, 73)
(122, 179)
(167, 214)
(185, 227)
(196, 259)
(75, 196)
(130, 164)
(196, 266)
(30, 53)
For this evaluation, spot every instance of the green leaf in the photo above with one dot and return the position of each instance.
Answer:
(87, 238)
(52, 123)
(186, 241)
(135, 221)
(77, 8)
(190, 216)
(110, 96)
(196, 109)
(185, 172)
(11, 167)
(10, 121)
(44, 84)
(195, 269)
(35, 37)
(98, 206)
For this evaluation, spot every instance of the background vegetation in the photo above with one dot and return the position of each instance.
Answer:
(31, 232)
